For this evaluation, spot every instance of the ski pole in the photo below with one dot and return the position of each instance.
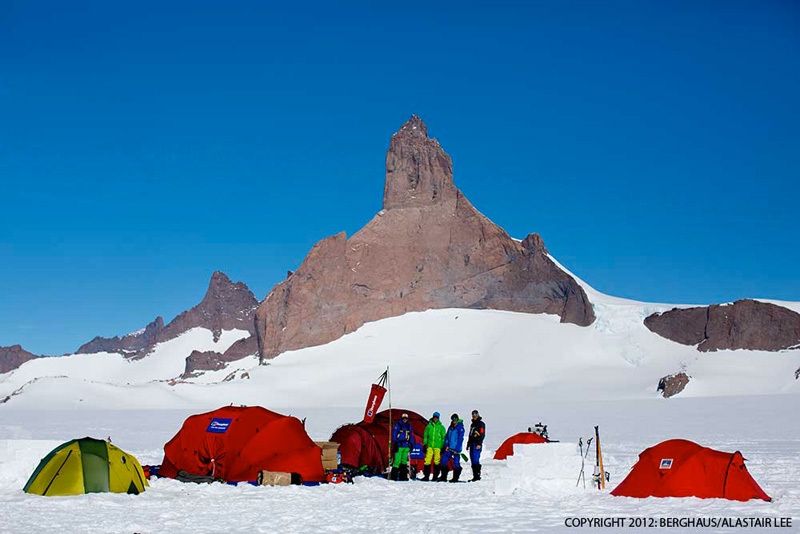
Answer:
(581, 475)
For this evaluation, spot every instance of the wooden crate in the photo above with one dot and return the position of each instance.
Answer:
(330, 454)
(274, 478)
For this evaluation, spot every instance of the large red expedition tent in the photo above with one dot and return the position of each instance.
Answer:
(235, 443)
(367, 444)
(682, 468)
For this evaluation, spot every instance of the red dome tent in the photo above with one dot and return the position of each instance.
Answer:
(367, 444)
(681, 468)
(236, 443)
(507, 448)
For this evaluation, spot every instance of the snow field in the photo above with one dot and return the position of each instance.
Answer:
(764, 428)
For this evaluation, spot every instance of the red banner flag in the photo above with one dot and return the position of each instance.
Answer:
(375, 399)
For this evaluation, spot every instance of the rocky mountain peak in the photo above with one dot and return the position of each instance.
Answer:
(226, 297)
(225, 306)
(219, 281)
(429, 248)
(418, 172)
(414, 127)
(12, 357)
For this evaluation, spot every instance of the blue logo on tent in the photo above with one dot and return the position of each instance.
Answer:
(416, 452)
(219, 425)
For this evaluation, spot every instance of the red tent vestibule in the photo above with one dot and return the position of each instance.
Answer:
(682, 468)
(235, 443)
(507, 448)
(367, 444)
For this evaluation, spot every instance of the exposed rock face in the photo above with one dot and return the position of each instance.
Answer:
(130, 344)
(243, 348)
(418, 172)
(214, 361)
(226, 306)
(745, 324)
(673, 384)
(12, 357)
(428, 248)
(203, 361)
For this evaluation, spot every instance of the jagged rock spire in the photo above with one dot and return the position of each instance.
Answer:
(414, 126)
(418, 172)
(428, 249)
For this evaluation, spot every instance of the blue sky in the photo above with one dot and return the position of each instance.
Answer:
(655, 146)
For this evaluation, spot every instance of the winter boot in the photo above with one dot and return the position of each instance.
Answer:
(443, 478)
(426, 471)
(456, 474)
(476, 472)
(436, 471)
(393, 474)
(403, 473)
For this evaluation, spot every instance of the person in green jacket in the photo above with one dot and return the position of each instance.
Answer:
(433, 441)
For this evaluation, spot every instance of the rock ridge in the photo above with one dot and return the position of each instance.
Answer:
(746, 324)
(225, 306)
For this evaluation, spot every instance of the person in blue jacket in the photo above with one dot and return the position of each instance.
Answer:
(453, 443)
(403, 439)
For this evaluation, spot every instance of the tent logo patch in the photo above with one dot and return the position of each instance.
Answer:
(219, 425)
(666, 463)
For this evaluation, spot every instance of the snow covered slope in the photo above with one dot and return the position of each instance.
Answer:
(79, 375)
(454, 353)
(475, 354)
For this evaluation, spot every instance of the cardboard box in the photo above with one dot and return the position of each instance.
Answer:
(274, 478)
(330, 454)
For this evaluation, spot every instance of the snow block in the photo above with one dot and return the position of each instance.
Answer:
(542, 467)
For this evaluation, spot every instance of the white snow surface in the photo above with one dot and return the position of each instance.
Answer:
(518, 369)
(515, 495)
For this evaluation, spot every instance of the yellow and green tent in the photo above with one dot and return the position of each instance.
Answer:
(87, 465)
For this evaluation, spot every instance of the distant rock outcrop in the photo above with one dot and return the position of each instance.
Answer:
(429, 248)
(673, 384)
(214, 361)
(203, 361)
(745, 324)
(12, 357)
(225, 306)
(132, 344)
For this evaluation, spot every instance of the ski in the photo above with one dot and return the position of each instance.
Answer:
(599, 475)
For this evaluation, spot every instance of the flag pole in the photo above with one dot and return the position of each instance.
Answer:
(389, 390)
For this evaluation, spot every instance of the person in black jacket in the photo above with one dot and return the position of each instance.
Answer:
(477, 433)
